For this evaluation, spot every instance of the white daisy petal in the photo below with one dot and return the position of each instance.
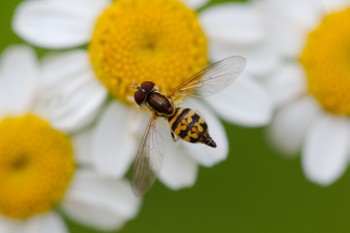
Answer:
(245, 102)
(205, 155)
(179, 169)
(326, 152)
(19, 79)
(261, 60)
(335, 5)
(82, 147)
(195, 4)
(287, 83)
(301, 14)
(291, 123)
(287, 39)
(10, 226)
(5, 226)
(50, 222)
(57, 24)
(114, 147)
(233, 23)
(71, 96)
(100, 202)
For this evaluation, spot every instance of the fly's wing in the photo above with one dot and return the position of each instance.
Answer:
(212, 79)
(148, 159)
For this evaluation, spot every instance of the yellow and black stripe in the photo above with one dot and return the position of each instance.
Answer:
(190, 126)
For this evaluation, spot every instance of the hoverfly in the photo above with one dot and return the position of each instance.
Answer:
(184, 122)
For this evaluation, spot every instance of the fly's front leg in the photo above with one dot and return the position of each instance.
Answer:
(173, 136)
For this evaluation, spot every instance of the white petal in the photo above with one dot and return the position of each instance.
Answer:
(19, 80)
(261, 60)
(5, 226)
(11, 226)
(57, 24)
(71, 96)
(326, 152)
(195, 4)
(114, 145)
(287, 38)
(179, 170)
(100, 202)
(335, 5)
(205, 155)
(83, 146)
(287, 83)
(50, 222)
(233, 23)
(289, 127)
(245, 102)
(302, 15)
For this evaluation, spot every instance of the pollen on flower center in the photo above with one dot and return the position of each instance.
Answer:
(36, 166)
(326, 60)
(146, 40)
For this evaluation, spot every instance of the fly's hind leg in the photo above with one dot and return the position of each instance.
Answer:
(173, 136)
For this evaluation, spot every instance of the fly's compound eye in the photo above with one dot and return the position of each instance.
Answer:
(140, 97)
(148, 86)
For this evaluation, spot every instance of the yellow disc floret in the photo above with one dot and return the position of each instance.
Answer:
(326, 61)
(36, 166)
(146, 40)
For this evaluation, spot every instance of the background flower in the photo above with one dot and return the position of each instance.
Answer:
(310, 84)
(37, 167)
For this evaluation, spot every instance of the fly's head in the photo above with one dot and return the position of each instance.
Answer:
(143, 91)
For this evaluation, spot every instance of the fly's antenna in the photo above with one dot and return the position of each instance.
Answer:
(135, 86)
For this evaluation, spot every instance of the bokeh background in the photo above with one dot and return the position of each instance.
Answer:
(254, 190)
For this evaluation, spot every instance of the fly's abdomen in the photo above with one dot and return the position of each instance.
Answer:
(190, 126)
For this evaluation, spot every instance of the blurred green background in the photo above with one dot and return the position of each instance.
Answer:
(254, 190)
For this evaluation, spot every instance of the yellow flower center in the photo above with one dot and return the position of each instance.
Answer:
(36, 166)
(326, 60)
(146, 40)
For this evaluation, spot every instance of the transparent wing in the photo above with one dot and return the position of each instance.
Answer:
(148, 159)
(212, 79)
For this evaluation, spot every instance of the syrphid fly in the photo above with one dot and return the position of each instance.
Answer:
(184, 123)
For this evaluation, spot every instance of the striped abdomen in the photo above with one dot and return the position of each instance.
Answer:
(190, 126)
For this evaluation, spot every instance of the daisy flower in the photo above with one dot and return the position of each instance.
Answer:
(311, 83)
(163, 41)
(38, 167)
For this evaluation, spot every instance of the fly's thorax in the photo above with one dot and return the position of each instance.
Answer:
(190, 126)
(160, 104)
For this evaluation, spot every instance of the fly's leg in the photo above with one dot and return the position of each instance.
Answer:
(173, 136)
